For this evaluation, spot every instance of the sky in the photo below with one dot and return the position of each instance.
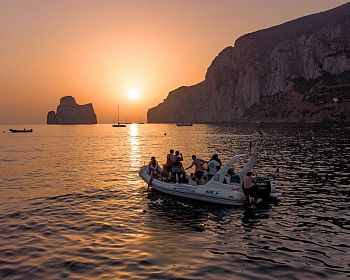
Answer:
(131, 53)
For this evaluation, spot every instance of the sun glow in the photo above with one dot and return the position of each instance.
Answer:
(133, 93)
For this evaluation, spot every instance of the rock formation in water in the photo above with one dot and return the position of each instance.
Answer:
(298, 71)
(69, 112)
(51, 117)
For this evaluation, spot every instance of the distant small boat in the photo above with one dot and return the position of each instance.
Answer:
(184, 124)
(117, 124)
(140, 121)
(20, 130)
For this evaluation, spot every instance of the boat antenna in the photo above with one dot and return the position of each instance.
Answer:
(255, 140)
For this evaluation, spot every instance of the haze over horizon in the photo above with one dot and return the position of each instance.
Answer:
(130, 53)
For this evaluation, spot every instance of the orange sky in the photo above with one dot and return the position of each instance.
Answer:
(98, 50)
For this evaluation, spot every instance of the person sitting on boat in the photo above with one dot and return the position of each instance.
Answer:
(177, 170)
(197, 163)
(247, 186)
(214, 166)
(153, 158)
(205, 178)
(233, 177)
(154, 169)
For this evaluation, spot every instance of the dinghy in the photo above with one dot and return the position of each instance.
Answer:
(184, 124)
(20, 130)
(215, 190)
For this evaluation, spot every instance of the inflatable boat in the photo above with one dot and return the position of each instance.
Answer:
(222, 188)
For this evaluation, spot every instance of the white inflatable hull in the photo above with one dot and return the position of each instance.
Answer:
(211, 192)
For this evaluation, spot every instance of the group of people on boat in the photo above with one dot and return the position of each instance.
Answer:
(174, 171)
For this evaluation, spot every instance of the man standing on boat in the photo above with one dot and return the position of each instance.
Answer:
(169, 163)
(247, 187)
(176, 156)
(198, 172)
(214, 165)
(176, 166)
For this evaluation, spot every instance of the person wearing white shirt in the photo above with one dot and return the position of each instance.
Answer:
(214, 166)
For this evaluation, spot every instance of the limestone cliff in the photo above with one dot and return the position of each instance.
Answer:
(304, 63)
(69, 112)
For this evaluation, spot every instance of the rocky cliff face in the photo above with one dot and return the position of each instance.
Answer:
(69, 112)
(266, 68)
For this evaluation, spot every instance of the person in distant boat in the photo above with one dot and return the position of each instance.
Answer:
(247, 186)
(154, 169)
(214, 166)
(197, 163)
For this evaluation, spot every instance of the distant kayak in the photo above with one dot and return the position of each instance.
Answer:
(184, 124)
(21, 130)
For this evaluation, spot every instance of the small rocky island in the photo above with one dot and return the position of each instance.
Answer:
(70, 112)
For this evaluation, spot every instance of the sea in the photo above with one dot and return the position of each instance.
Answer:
(72, 205)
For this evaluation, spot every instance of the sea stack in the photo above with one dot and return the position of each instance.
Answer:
(70, 112)
(296, 72)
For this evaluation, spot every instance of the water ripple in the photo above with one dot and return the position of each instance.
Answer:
(80, 211)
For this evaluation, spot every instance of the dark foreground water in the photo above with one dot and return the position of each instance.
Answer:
(73, 207)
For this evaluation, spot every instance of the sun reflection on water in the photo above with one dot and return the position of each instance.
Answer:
(135, 157)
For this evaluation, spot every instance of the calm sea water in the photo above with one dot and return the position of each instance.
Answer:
(72, 206)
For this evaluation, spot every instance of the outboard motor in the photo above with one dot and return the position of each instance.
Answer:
(262, 187)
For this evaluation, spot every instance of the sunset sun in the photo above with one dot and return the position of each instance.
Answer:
(133, 93)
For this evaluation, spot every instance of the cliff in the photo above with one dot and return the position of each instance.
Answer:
(69, 112)
(298, 71)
